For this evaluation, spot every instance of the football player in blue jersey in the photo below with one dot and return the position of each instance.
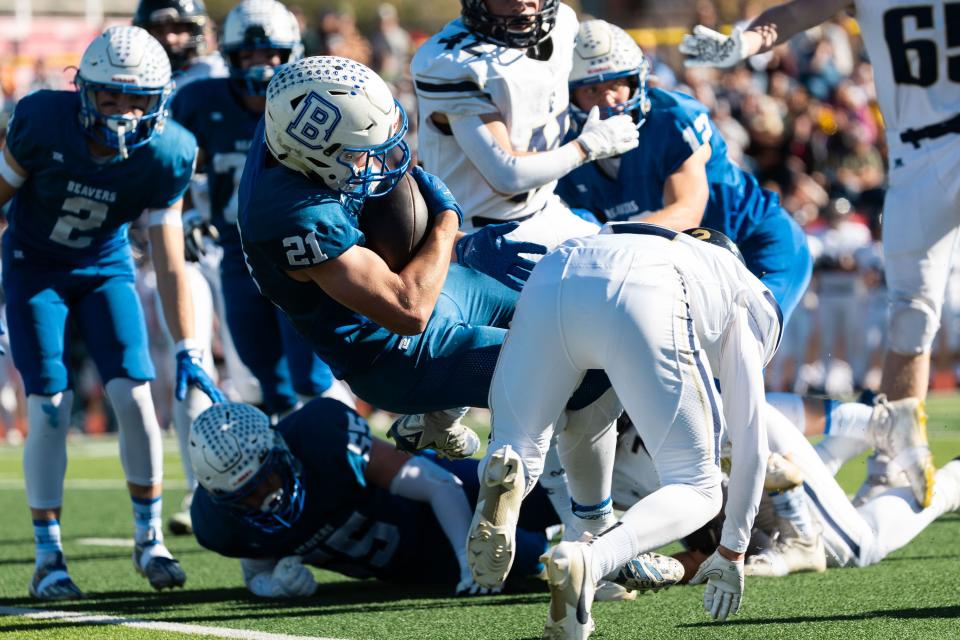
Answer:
(679, 176)
(80, 166)
(320, 490)
(424, 341)
(183, 28)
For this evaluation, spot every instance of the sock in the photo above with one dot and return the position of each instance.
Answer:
(846, 434)
(184, 413)
(146, 520)
(554, 482)
(791, 406)
(791, 505)
(45, 451)
(46, 537)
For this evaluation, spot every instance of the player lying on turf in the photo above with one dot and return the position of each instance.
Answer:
(660, 312)
(848, 535)
(320, 490)
(80, 166)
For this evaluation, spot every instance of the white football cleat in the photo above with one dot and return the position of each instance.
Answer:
(51, 581)
(899, 430)
(493, 530)
(437, 430)
(569, 575)
(781, 474)
(789, 553)
(649, 572)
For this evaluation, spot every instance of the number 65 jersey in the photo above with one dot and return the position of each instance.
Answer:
(75, 209)
(914, 48)
(458, 75)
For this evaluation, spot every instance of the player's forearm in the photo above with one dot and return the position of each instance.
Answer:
(778, 24)
(508, 171)
(421, 281)
(744, 403)
(166, 242)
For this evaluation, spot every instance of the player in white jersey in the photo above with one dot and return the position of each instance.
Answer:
(661, 313)
(492, 100)
(918, 87)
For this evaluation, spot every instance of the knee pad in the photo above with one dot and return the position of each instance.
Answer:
(141, 447)
(913, 326)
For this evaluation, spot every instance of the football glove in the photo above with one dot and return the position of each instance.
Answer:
(605, 138)
(489, 251)
(196, 232)
(709, 48)
(190, 372)
(724, 590)
(294, 579)
(435, 194)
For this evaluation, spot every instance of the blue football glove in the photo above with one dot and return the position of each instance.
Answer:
(489, 251)
(435, 193)
(190, 372)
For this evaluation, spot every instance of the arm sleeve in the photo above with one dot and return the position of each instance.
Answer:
(741, 376)
(505, 172)
(425, 481)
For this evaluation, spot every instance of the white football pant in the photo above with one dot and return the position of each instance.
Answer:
(597, 311)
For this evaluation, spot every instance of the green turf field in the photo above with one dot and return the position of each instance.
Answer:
(912, 594)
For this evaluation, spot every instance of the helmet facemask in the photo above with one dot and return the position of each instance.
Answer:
(637, 105)
(383, 167)
(515, 31)
(259, 25)
(281, 506)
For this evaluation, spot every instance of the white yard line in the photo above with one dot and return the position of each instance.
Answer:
(79, 483)
(155, 625)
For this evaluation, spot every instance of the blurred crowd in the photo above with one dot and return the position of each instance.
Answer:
(803, 118)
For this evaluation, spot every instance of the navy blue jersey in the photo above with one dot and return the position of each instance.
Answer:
(74, 209)
(346, 526)
(676, 126)
(214, 112)
(287, 223)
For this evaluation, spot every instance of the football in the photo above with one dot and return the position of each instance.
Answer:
(395, 224)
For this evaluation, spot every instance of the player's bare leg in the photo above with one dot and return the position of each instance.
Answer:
(905, 375)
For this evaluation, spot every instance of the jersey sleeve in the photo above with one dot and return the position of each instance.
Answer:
(684, 131)
(177, 160)
(331, 439)
(24, 139)
(309, 235)
(449, 78)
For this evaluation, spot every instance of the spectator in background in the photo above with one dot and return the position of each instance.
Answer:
(391, 45)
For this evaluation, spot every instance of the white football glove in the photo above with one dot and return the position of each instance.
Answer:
(709, 48)
(724, 590)
(611, 137)
(294, 579)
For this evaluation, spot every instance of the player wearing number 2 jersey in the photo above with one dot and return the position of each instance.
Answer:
(223, 113)
(679, 175)
(80, 167)
(916, 67)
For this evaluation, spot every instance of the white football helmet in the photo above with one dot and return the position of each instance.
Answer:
(233, 451)
(259, 24)
(335, 120)
(124, 60)
(606, 52)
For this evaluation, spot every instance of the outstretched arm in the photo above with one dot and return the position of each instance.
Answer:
(708, 48)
